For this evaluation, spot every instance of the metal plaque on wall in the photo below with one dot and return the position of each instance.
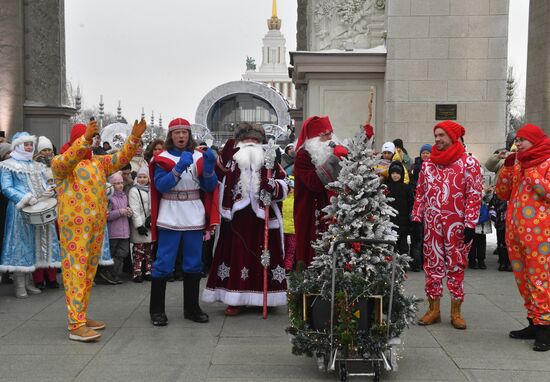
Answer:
(445, 112)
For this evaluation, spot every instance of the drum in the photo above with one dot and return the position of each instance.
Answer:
(41, 213)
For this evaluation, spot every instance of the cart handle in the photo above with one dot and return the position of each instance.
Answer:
(364, 241)
(331, 252)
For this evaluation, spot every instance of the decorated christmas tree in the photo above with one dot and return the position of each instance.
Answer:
(363, 277)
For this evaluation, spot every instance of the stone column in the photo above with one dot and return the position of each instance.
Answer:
(12, 91)
(537, 102)
(301, 26)
(46, 110)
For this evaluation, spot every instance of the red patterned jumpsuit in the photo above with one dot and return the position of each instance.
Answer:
(448, 199)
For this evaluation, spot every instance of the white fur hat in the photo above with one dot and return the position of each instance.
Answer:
(21, 137)
(43, 143)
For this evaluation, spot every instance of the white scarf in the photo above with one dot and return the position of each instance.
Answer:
(318, 150)
(20, 154)
(250, 159)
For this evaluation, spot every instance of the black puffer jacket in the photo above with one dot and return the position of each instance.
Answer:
(403, 198)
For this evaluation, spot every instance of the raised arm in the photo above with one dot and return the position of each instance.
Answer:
(505, 178)
(64, 164)
(207, 177)
(114, 162)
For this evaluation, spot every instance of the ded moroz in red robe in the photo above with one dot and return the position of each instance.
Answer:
(236, 275)
(310, 197)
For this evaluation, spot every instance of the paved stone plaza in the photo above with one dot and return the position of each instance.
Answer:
(34, 343)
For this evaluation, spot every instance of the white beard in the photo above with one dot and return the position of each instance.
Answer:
(250, 159)
(319, 151)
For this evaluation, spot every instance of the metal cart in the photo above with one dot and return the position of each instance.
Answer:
(387, 358)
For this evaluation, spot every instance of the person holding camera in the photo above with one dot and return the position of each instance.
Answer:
(524, 181)
(140, 235)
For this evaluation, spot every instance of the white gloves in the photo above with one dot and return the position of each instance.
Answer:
(26, 201)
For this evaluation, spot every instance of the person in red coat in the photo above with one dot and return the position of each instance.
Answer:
(316, 165)
(448, 200)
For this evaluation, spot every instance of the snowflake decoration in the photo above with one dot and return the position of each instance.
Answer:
(223, 271)
(279, 274)
(244, 273)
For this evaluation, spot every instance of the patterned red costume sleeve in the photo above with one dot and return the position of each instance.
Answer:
(474, 188)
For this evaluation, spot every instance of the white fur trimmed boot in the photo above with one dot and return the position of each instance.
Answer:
(29, 285)
(19, 285)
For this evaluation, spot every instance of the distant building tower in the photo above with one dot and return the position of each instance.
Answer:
(273, 70)
(119, 112)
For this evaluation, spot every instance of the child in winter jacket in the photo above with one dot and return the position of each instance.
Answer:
(403, 201)
(389, 155)
(476, 256)
(140, 235)
(119, 227)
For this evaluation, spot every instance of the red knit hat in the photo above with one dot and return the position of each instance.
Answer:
(313, 127)
(453, 129)
(77, 131)
(179, 123)
(532, 133)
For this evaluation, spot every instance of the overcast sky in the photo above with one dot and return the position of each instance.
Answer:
(166, 55)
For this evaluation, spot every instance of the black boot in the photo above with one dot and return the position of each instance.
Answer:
(527, 333)
(156, 304)
(542, 338)
(191, 308)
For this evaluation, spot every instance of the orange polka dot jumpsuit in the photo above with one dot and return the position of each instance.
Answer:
(82, 213)
(528, 233)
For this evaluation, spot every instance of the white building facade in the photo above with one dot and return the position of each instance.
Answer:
(273, 70)
(432, 60)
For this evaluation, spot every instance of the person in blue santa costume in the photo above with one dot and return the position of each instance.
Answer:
(183, 206)
(24, 182)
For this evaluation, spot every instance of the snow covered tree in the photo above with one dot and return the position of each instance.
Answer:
(359, 210)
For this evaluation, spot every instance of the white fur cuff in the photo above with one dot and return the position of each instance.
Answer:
(24, 201)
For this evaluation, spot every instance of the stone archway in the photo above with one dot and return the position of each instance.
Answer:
(33, 94)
